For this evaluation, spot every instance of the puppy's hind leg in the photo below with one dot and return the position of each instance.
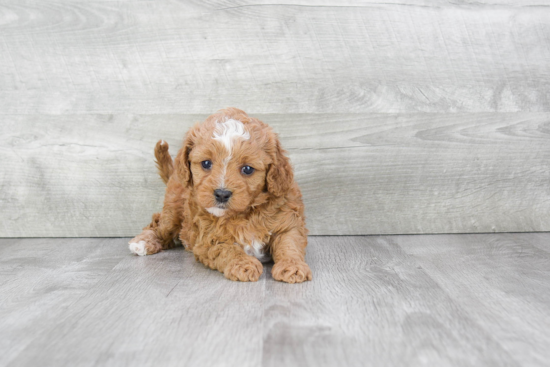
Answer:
(165, 226)
(159, 235)
(147, 242)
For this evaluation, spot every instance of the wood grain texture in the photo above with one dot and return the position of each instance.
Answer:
(370, 304)
(502, 283)
(360, 174)
(145, 57)
(161, 310)
(445, 300)
(41, 280)
(402, 116)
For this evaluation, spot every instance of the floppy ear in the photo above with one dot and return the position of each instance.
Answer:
(183, 170)
(279, 174)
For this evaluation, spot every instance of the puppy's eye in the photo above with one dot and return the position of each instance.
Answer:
(206, 164)
(247, 170)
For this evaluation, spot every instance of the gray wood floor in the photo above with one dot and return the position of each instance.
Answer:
(427, 300)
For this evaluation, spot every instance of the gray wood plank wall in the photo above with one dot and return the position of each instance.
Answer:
(400, 117)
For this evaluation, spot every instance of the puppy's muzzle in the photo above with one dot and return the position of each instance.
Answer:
(222, 196)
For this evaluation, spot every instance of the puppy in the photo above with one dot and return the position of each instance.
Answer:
(232, 200)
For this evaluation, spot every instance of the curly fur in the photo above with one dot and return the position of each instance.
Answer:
(265, 207)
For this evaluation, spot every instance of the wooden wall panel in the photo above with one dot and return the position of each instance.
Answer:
(407, 116)
(196, 57)
(93, 175)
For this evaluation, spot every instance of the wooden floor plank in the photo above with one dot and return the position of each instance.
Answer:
(501, 281)
(41, 280)
(162, 310)
(370, 305)
(539, 240)
(445, 300)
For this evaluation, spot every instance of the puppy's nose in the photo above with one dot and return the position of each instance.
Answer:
(222, 195)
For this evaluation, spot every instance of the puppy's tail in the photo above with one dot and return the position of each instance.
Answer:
(164, 162)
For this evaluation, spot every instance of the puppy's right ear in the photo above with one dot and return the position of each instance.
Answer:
(183, 170)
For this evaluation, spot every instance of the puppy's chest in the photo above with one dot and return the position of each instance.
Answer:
(254, 240)
(251, 236)
(259, 250)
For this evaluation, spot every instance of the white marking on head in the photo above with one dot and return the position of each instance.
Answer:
(226, 132)
(218, 212)
(162, 142)
(229, 130)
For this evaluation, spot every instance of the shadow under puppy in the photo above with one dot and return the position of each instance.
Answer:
(232, 200)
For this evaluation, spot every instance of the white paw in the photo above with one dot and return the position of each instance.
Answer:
(138, 248)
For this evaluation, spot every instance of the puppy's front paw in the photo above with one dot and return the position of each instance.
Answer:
(138, 248)
(291, 271)
(146, 243)
(244, 269)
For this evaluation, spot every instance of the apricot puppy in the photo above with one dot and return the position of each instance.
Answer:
(232, 200)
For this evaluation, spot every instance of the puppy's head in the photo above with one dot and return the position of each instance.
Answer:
(232, 162)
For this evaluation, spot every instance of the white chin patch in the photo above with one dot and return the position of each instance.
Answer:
(218, 212)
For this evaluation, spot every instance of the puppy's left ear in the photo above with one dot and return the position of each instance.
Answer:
(279, 174)
(183, 170)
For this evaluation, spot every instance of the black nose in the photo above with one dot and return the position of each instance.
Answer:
(222, 195)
